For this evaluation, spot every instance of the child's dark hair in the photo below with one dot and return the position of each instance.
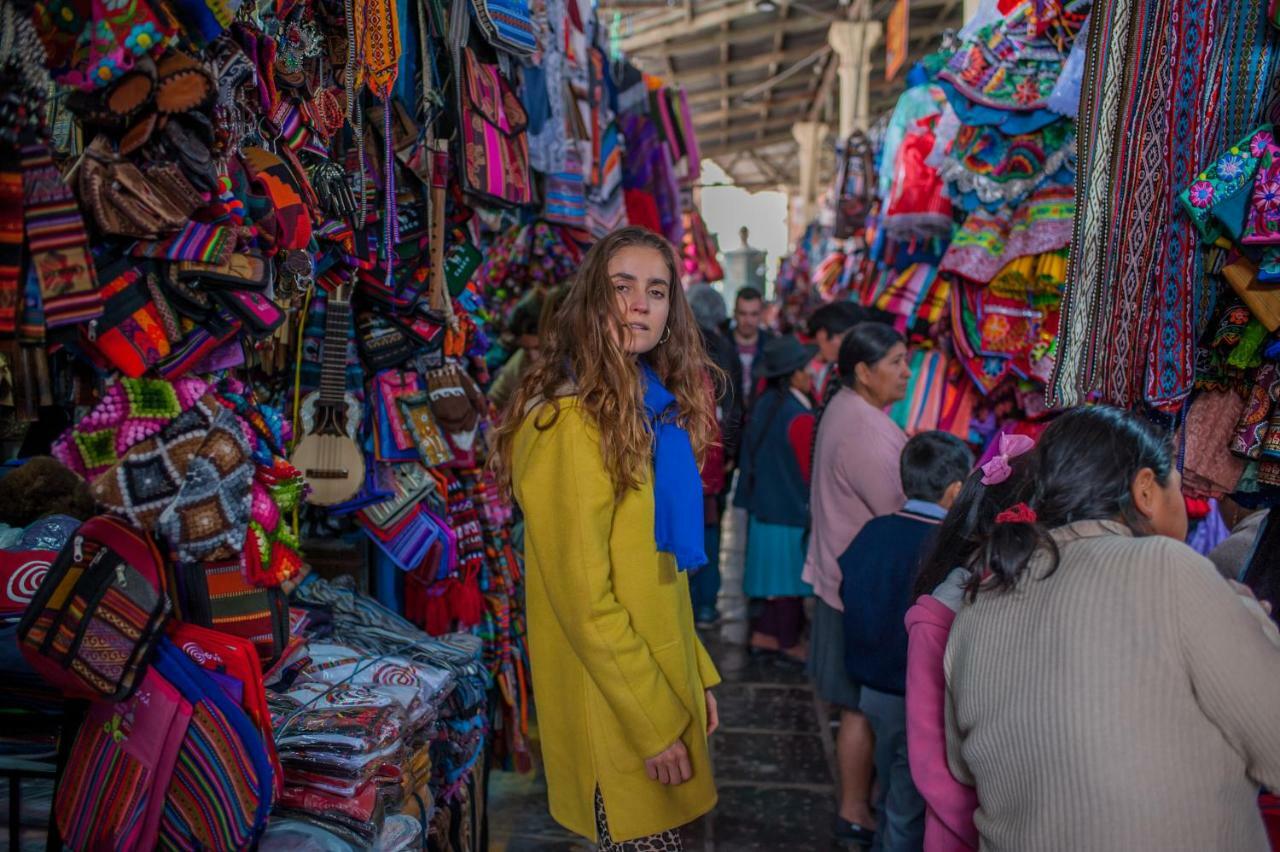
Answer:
(527, 315)
(835, 318)
(866, 343)
(1086, 463)
(969, 522)
(930, 462)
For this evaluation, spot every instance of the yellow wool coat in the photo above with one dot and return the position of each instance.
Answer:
(619, 673)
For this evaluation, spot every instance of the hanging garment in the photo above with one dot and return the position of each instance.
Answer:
(1172, 83)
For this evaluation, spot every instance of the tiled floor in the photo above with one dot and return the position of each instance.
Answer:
(773, 755)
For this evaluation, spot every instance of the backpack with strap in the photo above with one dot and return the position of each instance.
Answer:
(855, 184)
(94, 622)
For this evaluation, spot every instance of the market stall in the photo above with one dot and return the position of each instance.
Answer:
(258, 262)
(1059, 212)
(954, 217)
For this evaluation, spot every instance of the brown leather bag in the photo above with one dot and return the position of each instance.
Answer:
(125, 201)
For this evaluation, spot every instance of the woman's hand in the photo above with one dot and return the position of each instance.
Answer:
(713, 714)
(671, 767)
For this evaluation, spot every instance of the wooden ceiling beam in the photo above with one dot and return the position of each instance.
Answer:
(649, 20)
(820, 96)
(736, 90)
(726, 148)
(679, 26)
(689, 42)
(791, 54)
(748, 108)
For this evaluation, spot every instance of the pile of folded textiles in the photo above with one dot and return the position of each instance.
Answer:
(371, 717)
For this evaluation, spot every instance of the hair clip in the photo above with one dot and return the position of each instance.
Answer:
(997, 469)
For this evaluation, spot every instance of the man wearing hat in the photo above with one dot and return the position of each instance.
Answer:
(773, 487)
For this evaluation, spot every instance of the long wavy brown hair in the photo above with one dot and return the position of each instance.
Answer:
(582, 355)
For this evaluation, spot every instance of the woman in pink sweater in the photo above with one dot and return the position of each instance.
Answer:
(997, 485)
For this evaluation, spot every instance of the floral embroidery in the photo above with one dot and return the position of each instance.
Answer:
(1201, 193)
(142, 39)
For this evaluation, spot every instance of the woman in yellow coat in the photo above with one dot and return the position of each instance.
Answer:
(601, 446)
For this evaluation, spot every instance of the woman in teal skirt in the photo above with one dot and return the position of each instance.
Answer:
(773, 487)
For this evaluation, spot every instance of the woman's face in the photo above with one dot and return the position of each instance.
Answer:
(802, 381)
(1162, 505)
(885, 382)
(642, 285)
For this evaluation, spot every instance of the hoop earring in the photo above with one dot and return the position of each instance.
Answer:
(666, 335)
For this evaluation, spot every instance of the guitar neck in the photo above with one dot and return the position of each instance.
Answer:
(333, 359)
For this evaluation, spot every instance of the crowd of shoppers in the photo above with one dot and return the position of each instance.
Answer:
(1023, 656)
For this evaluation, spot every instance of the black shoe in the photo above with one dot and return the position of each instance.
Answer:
(760, 653)
(845, 830)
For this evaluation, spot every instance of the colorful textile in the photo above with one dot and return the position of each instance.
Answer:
(1002, 169)
(58, 243)
(1005, 66)
(987, 242)
(1218, 200)
(1136, 294)
(131, 411)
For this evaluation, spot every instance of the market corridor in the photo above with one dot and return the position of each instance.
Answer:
(773, 753)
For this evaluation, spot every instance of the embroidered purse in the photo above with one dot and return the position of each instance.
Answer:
(495, 148)
(92, 626)
(130, 334)
(112, 793)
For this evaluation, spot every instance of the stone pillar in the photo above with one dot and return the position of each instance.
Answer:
(810, 136)
(853, 42)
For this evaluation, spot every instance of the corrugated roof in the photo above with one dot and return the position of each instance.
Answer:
(752, 74)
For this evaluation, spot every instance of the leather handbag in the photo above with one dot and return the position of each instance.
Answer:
(125, 201)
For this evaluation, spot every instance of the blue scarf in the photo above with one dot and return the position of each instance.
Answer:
(677, 485)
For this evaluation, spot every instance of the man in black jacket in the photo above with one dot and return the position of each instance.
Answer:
(709, 310)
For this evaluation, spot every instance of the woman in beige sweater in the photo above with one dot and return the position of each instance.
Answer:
(1107, 688)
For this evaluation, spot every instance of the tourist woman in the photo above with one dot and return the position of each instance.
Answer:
(855, 479)
(601, 448)
(773, 486)
(1107, 688)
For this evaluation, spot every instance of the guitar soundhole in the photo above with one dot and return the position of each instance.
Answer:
(330, 419)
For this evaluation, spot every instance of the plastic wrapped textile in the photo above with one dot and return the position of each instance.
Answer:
(352, 730)
(357, 834)
(399, 833)
(338, 766)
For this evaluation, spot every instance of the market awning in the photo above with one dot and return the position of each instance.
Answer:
(754, 68)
